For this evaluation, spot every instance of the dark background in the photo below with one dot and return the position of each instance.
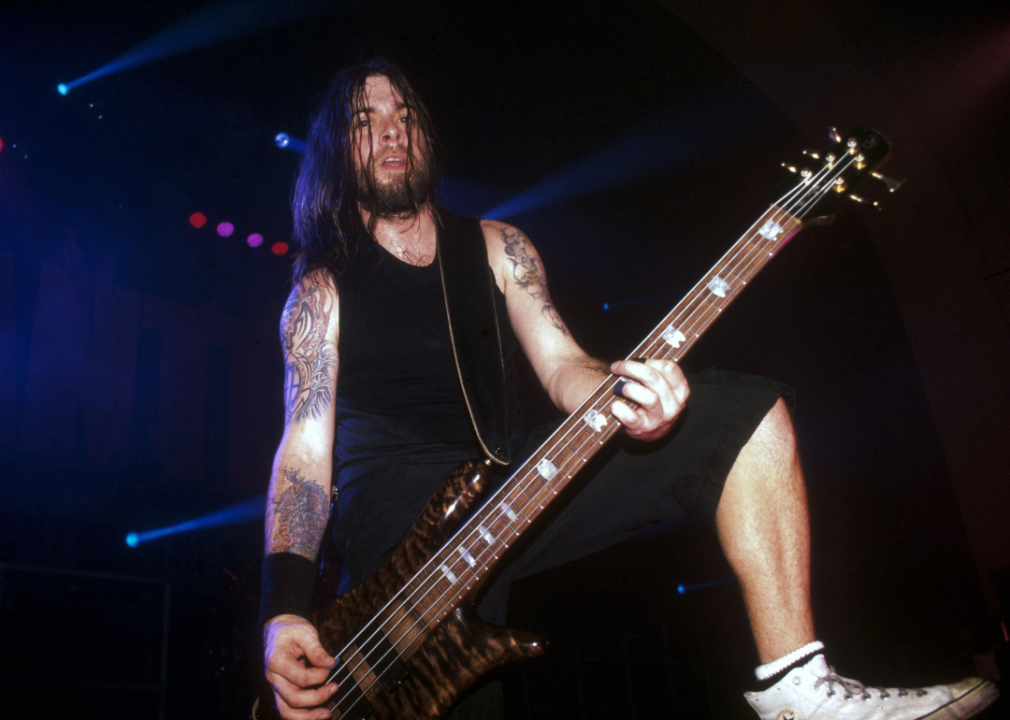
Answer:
(140, 373)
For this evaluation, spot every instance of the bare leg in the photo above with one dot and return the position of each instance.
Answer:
(765, 532)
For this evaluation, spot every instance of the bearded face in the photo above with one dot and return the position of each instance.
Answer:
(393, 174)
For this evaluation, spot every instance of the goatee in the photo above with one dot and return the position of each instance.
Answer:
(402, 196)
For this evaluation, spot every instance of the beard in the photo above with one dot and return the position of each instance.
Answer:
(401, 196)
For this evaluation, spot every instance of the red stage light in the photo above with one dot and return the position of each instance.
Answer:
(279, 248)
(198, 220)
(1, 143)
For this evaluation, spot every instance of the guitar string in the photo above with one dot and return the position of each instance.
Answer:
(519, 489)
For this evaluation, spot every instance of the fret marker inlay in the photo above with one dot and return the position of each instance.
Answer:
(597, 421)
(467, 557)
(719, 287)
(509, 513)
(770, 230)
(673, 336)
(547, 469)
(450, 576)
(488, 537)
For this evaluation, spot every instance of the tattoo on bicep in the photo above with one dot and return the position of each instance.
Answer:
(299, 516)
(308, 356)
(527, 274)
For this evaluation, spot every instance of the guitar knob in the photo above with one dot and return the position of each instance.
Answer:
(891, 183)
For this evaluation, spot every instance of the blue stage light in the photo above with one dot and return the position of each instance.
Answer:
(286, 142)
(682, 589)
(245, 511)
(62, 89)
(213, 23)
(665, 144)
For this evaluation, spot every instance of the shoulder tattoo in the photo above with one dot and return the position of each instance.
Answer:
(527, 273)
(300, 514)
(309, 357)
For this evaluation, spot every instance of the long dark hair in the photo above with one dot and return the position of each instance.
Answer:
(328, 228)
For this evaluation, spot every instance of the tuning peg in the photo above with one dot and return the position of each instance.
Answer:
(891, 183)
(812, 153)
(790, 168)
(858, 199)
(833, 135)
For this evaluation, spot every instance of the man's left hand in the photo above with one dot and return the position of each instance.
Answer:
(657, 390)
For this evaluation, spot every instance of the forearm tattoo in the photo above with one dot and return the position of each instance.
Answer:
(527, 273)
(308, 356)
(299, 516)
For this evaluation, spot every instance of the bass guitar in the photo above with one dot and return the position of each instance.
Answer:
(408, 643)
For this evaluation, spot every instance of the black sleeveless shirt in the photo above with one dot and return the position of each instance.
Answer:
(398, 392)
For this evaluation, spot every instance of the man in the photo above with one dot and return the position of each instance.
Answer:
(377, 377)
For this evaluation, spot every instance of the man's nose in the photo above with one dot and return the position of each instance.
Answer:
(391, 132)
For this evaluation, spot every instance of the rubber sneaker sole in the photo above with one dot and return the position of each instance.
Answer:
(974, 699)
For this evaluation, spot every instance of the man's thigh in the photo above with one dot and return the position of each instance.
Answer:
(630, 485)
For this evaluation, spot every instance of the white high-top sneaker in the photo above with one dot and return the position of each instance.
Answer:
(816, 692)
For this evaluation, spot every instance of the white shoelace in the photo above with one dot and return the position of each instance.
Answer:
(854, 687)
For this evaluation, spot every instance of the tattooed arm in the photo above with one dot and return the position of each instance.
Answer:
(567, 373)
(298, 501)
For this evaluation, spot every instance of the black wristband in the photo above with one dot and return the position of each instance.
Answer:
(288, 582)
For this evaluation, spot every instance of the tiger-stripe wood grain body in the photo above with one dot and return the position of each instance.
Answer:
(443, 663)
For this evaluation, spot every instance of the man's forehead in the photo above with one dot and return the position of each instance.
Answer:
(379, 91)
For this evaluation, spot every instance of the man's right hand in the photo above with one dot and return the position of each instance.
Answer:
(294, 662)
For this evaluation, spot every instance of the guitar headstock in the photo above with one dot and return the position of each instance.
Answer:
(829, 179)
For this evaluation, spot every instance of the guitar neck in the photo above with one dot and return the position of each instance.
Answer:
(466, 559)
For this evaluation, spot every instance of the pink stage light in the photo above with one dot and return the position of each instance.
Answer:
(225, 229)
(255, 240)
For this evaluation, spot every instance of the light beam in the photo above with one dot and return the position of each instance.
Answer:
(212, 24)
(245, 511)
(682, 589)
(664, 144)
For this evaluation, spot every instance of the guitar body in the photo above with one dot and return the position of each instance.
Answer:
(429, 677)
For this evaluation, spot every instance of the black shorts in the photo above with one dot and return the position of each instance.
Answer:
(630, 485)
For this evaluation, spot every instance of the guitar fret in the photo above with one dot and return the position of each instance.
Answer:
(531, 494)
(576, 451)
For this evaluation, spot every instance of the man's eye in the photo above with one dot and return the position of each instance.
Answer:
(363, 122)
